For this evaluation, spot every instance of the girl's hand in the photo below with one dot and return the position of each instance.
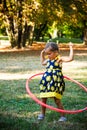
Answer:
(70, 57)
(42, 57)
(70, 44)
(43, 51)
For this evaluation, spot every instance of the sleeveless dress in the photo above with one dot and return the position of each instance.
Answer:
(52, 83)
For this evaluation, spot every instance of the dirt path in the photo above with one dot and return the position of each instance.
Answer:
(39, 46)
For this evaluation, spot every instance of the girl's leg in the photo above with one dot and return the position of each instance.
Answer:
(43, 109)
(59, 105)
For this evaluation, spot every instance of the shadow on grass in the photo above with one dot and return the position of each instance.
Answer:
(8, 122)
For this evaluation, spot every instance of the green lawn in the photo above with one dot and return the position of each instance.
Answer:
(19, 112)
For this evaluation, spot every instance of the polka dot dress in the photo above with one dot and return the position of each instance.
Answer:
(52, 83)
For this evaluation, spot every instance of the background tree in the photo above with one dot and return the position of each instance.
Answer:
(18, 19)
(28, 19)
(76, 13)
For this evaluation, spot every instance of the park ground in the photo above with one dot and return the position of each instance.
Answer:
(5, 46)
(18, 111)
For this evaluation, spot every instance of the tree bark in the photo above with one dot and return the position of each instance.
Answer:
(31, 32)
(24, 35)
(85, 36)
(19, 39)
(38, 31)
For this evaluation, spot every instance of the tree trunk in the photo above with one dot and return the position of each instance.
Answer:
(31, 32)
(19, 39)
(85, 36)
(27, 34)
(9, 20)
(24, 35)
(38, 31)
(85, 32)
(11, 32)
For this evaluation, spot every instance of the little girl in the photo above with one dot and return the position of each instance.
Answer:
(52, 84)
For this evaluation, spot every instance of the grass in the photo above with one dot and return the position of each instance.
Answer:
(67, 40)
(63, 40)
(57, 39)
(3, 37)
(19, 112)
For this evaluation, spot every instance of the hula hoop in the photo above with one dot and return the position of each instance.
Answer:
(50, 107)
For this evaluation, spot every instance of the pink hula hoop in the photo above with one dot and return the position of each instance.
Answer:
(50, 107)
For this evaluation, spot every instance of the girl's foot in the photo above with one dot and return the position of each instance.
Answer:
(62, 118)
(40, 117)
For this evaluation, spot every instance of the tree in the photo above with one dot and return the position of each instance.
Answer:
(17, 18)
(75, 12)
(25, 19)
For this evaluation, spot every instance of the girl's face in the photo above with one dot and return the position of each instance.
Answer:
(51, 54)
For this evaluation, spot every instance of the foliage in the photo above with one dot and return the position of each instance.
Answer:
(28, 19)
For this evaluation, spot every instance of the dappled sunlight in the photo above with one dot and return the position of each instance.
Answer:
(9, 76)
(23, 114)
(75, 69)
(17, 76)
(81, 54)
(28, 96)
(75, 64)
(27, 114)
(16, 66)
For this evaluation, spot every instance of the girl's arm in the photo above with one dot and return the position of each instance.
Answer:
(71, 55)
(42, 57)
